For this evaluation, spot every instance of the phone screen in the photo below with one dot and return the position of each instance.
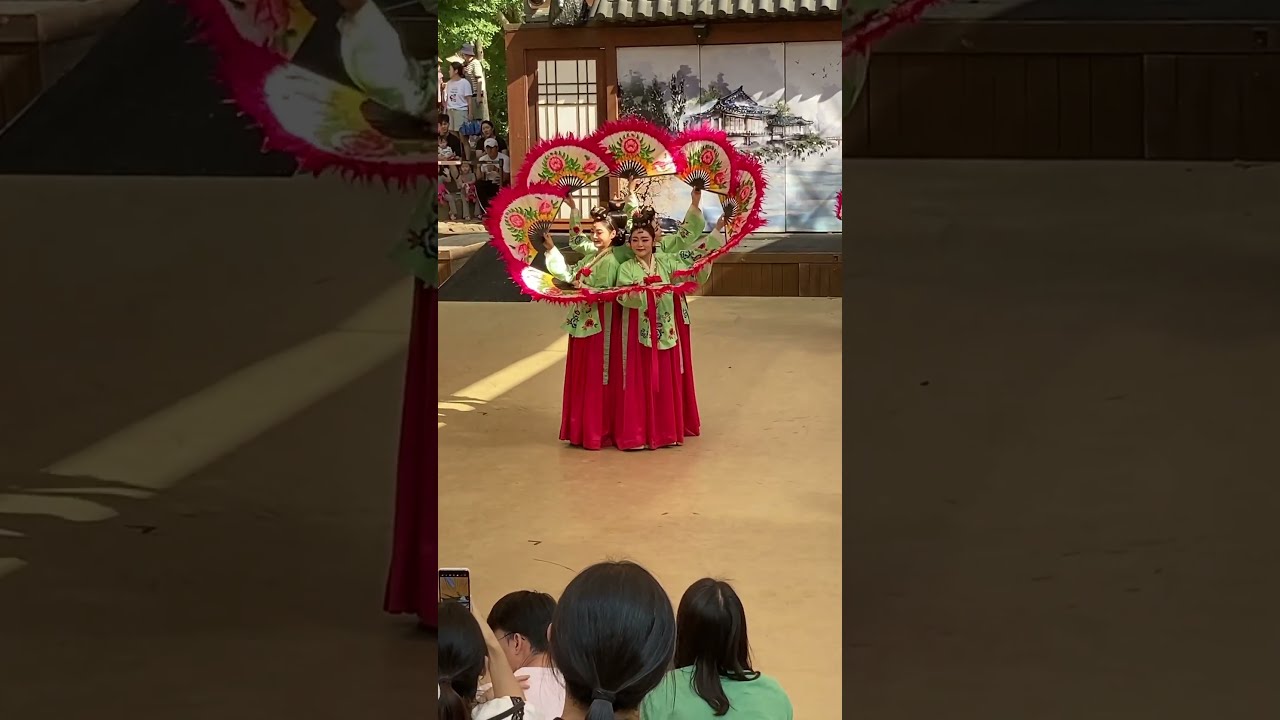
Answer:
(455, 586)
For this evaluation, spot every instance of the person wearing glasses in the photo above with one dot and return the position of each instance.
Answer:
(520, 620)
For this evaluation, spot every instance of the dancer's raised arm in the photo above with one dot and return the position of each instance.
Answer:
(690, 229)
(685, 259)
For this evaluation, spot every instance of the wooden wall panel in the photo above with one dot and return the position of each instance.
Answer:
(1043, 107)
(1158, 90)
(883, 93)
(1115, 100)
(19, 79)
(1160, 101)
(1260, 108)
(776, 277)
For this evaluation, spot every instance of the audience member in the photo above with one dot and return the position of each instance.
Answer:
(713, 676)
(612, 639)
(466, 645)
(520, 621)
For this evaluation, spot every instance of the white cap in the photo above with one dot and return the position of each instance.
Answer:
(490, 142)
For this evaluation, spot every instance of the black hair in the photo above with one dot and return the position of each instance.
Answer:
(711, 636)
(492, 127)
(461, 657)
(647, 227)
(616, 220)
(456, 67)
(443, 119)
(612, 637)
(525, 612)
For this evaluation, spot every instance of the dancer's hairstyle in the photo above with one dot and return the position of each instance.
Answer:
(525, 612)
(650, 228)
(615, 220)
(612, 637)
(461, 657)
(711, 636)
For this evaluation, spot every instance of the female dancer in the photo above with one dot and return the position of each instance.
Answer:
(652, 410)
(373, 57)
(587, 411)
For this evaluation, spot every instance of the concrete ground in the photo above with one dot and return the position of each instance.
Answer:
(213, 368)
(1061, 495)
(755, 499)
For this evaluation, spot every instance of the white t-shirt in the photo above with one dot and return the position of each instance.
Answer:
(491, 168)
(546, 689)
(456, 93)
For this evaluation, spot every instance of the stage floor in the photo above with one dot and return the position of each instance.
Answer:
(755, 500)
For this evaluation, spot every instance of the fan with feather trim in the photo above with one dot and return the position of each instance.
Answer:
(276, 25)
(517, 218)
(637, 148)
(323, 123)
(567, 162)
(706, 156)
(746, 191)
(742, 211)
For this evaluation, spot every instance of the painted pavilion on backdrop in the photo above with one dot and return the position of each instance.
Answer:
(562, 61)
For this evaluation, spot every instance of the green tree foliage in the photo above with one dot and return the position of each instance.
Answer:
(480, 21)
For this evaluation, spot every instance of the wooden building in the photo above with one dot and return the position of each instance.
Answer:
(1086, 79)
(563, 67)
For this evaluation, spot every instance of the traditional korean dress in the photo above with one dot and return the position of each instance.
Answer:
(652, 410)
(587, 409)
(372, 55)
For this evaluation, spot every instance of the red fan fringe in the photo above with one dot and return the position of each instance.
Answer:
(633, 123)
(543, 146)
(754, 223)
(878, 24)
(243, 69)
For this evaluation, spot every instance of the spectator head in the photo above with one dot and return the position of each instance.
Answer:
(456, 69)
(461, 657)
(520, 620)
(491, 147)
(487, 129)
(711, 637)
(468, 51)
(612, 638)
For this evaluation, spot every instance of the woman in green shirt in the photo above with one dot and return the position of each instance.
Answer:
(713, 676)
(652, 409)
(587, 408)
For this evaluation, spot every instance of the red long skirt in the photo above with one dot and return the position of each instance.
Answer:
(692, 419)
(411, 582)
(651, 410)
(587, 409)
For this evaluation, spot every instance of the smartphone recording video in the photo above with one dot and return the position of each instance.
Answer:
(455, 586)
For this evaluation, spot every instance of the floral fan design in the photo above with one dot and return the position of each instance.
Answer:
(637, 148)
(518, 216)
(742, 204)
(516, 220)
(565, 162)
(706, 157)
(277, 25)
(367, 131)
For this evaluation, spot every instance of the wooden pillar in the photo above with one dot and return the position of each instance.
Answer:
(519, 103)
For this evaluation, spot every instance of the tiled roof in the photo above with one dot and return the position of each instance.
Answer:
(649, 11)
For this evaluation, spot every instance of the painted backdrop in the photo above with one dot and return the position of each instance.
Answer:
(780, 101)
